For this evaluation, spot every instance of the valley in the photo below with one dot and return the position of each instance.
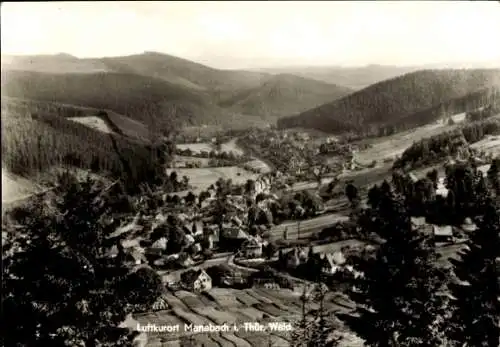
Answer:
(242, 193)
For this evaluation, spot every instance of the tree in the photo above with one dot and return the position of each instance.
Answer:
(352, 194)
(494, 176)
(190, 198)
(475, 307)
(270, 249)
(60, 287)
(396, 297)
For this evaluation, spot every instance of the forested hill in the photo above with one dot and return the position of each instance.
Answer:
(395, 99)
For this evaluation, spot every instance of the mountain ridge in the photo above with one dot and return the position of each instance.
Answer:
(393, 99)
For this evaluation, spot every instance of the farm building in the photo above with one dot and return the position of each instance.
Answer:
(252, 248)
(136, 257)
(196, 281)
(442, 233)
(468, 225)
(331, 262)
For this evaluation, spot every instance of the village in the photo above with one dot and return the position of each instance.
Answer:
(262, 241)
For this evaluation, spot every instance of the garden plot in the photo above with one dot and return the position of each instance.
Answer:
(237, 341)
(215, 315)
(224, 298)
(173, 301)
(191, 300)
(190, 318)
(246, 299)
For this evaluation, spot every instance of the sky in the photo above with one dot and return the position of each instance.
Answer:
(252, 34)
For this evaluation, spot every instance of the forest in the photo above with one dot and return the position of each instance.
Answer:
(432, 150)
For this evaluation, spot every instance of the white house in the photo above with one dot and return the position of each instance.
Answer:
(252, 248)
(196, 281)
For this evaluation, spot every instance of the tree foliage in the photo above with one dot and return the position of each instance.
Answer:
(60, 286)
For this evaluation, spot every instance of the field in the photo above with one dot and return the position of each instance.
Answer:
(307, 227)
(14, 188)
(392, 146)
(202, 178)
(490, 144)
(231, 306)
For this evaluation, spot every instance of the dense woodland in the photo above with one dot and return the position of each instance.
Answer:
(35, 143)
(392, 100)
(141, 98)
(432, 150)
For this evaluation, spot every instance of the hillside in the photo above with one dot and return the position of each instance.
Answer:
(350, 77)
(390, 101)
(58, 63)
(166, 67)
(145, 99)
(283, 95)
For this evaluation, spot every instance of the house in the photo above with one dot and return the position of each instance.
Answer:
(136, 257)
(196, 281)
(418, 222)
(252, 248)
(295, 257)
(331, 262)
(189, 239)
(212, 237)
(442, 233)
(468, 225)
(160, 244)
(158, 247)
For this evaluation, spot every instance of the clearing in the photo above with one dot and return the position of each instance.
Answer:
(202, 178)
(93, 122)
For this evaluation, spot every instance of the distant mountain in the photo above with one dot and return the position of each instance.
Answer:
(391, 100)
(152, 87)
(351, 77)
(157, 65)
(282, 95)
(144, 99)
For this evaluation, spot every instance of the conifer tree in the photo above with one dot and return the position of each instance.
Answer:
(476, 304)
(494, 176)
(60, 286)
(396, 297)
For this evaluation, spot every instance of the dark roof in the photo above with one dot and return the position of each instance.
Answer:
(190, 276)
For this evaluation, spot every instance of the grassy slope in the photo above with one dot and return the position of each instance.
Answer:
(283, 95)
(394, 99)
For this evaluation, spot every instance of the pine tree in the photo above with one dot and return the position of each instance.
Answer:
(476, 307)
(60, 287)
(397, 301)
(494, 176)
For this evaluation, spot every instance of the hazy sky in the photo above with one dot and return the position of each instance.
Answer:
(249, 34)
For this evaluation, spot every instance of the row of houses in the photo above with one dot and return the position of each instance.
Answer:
(443, 233)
